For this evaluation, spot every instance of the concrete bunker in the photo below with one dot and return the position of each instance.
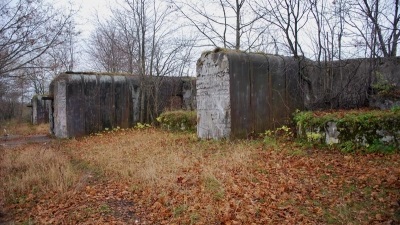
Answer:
(240, 94)
(243, 94)
(85, 103)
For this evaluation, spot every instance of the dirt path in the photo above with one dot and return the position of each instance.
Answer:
(17, 140)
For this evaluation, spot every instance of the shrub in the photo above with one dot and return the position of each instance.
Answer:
(178, 120)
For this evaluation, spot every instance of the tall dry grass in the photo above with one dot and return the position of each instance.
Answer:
(176, 171)
(32, 169)
(157, 158)
(14, 127)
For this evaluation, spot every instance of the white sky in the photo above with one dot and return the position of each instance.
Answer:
(87, 11)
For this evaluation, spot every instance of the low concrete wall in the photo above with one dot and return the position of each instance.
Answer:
(88, 103)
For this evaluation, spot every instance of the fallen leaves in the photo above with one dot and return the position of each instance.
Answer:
(208, 182)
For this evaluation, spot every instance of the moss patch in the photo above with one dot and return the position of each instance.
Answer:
(371, 130)
(178, 120)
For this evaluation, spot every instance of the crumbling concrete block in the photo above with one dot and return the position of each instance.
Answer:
(243, 94)
(213, 96)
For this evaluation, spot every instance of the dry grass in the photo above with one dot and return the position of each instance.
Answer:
(175, 170)
(174, 178)
(34, 169)
(179, 179)
(157, 157)
(14, 127)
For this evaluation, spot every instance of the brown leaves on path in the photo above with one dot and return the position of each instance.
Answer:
(99, 203)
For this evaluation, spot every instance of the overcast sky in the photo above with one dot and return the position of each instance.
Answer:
(87, 10)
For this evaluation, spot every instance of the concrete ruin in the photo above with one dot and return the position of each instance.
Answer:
(40, 109)
(244, 94)
(351, 83)
(85, 103)
(239, 95)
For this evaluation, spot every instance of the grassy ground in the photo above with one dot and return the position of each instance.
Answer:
(150, 176)
(15, 127)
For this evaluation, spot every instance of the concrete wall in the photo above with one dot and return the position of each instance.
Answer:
(240, 94)
(89, 103)
(243, 94)
(189, 94)
(213, 96)
(40, 110)
(349, 83)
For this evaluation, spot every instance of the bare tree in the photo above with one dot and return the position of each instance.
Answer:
(289, 16)
(235, 20)
(58, 59)
(377, 25)
(63, 56)
(384, 15)
(143, 38)
(28, 29)
(32, 33)
(13, 93)
(106, 48)
(128, 39)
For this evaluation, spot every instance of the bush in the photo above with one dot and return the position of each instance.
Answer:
(178, 120)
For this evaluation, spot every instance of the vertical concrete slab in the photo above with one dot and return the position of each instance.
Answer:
(40, 110)
(278, 86)
(91, 107)
(134, 101)
(33, 107)
(60, 109)
(240, 94)
(189, 93)
(106, 100)
(213, 96)
(75, 105)
(294, 91)
(260, 79)
(121, 108)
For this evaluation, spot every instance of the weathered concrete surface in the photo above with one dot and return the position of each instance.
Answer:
(89, 103)
(189, 94)
(240, 94)
(40, 110)
(213, 96)
(243, 94)
(331, 135)
(349, 83)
